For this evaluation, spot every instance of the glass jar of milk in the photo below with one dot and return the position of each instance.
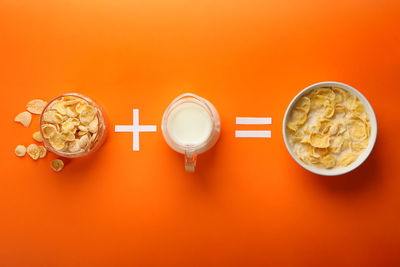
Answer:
(191, 126)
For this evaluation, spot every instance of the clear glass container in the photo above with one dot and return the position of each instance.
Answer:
(94, 144)
(191, 151)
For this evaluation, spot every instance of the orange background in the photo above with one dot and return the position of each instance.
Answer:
(249, 203)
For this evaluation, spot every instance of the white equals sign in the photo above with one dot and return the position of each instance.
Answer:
(253, 121)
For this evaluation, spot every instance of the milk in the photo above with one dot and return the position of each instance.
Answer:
(189, 124)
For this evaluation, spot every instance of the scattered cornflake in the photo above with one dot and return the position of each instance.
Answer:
(57, 165)
(24, 118)
(36, 106)
(37, 136)
(42, 152)
(33, 151)
(20, 150)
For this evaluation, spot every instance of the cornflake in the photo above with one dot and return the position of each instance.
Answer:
(57, 165)
(24, 118)
(49, 130)
(42, 152)
(36, 106)
(33, 151)
(20, 150)
(37, 136)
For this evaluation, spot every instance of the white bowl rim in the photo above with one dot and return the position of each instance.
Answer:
(361, 158)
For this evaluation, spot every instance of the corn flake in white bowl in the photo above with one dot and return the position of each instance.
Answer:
(329, 128)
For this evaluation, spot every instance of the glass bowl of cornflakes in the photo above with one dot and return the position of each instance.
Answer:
(329, 128)
(73, 125)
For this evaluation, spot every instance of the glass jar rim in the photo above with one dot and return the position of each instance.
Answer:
(187, 97)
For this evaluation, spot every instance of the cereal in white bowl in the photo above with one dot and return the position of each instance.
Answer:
(327, 128)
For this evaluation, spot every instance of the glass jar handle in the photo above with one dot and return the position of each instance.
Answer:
(190, 160)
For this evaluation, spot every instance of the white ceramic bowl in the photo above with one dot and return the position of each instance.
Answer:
(362, 157)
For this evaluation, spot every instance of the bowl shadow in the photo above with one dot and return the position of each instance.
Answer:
(365, 177)
(80, 167)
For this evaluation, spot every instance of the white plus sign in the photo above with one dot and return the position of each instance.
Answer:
(135, 129)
